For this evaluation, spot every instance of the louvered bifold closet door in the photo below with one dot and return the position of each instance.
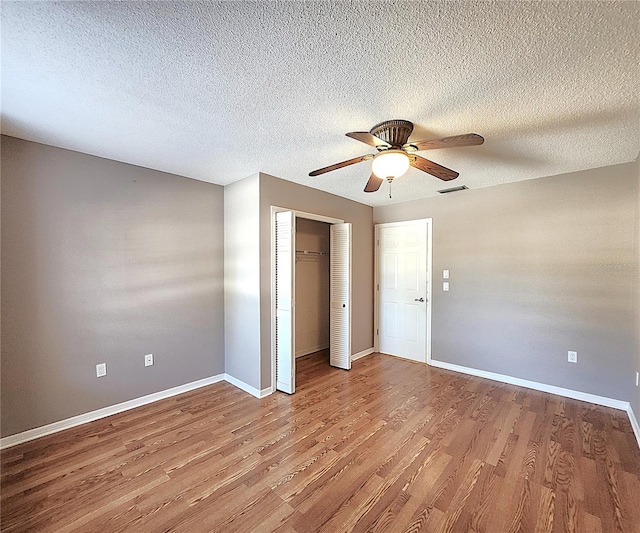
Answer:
(340, 319)
(285, 316)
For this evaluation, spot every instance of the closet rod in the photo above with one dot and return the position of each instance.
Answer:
(310, 252)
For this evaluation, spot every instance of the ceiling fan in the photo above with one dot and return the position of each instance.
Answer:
(396, 154)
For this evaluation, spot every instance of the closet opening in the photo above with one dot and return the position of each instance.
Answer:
(310, 292)
(312, 297)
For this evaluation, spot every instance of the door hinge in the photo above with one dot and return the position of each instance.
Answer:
(378, 331)
(378, 287)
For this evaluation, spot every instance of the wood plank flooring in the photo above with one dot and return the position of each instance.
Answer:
(392, 446)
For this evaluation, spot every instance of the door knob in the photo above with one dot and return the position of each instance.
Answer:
(419, 300)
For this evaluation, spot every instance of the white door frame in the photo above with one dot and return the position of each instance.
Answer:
(376, 274)
(296, 214)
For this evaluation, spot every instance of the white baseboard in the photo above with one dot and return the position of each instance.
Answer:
(266, 392)
(355, 356)
(552, 389)
(634, 423)
(74, 421)
(55, 427)
(308, 351)
(25, 436)
(362, 354)
(248, 388)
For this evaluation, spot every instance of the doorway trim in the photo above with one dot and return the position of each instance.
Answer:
(376, 277)
(297, 214)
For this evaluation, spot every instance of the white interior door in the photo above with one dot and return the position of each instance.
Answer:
(402, 293)
(285, 290)
(340, 314)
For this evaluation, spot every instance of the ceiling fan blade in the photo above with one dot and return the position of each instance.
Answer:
(469, 139)
(340, 165)
(368, 138)
(373, 184)
(444, 173)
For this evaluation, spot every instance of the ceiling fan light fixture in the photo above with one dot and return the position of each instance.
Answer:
(390, 164)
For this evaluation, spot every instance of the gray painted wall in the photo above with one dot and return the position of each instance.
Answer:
(103, 262)
(242, 280)
(281, 193)
(539, 268)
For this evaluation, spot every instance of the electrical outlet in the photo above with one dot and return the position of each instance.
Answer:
(101, 370)
(572, 357)
(445, 285)
(148, 359)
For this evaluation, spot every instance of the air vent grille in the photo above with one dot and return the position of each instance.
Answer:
(454, 189)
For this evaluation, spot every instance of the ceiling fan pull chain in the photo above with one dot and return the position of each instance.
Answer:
(390, 182)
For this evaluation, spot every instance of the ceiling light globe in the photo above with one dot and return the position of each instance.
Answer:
(390, 164)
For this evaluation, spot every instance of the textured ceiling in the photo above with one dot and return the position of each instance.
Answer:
(219, 91)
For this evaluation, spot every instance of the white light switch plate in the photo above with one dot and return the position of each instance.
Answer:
(445, 285)
(148, 359)
(445, 274)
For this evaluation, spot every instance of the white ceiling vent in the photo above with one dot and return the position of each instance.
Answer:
(454, 189)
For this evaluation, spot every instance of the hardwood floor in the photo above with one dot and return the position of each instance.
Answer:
(390, 446)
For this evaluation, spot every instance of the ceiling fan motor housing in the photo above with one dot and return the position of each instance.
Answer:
(395, 132)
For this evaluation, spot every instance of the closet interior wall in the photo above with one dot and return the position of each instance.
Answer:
(312, 286)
